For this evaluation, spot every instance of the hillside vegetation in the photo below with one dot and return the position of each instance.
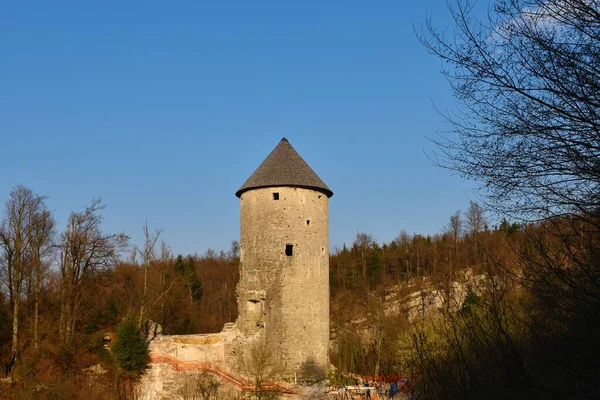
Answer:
(71, 289)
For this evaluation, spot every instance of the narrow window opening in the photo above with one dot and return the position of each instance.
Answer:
(253, 308)
(289, 250)
(276, 196)
(308, 222)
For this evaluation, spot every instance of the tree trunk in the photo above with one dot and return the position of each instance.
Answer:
(128, 388)
(67, 321)
(15, 323)
(378, 351)
(36, 341)
(61, 322)
(144, 295)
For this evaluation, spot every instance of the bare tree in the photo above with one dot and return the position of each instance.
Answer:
(84, 249)
(364, 242)
(403, 240)
(476, 222)
(148, 257)
(475, 218)
(41, 241)
(528, 82)
(260, 365)
(234, 250)
(23, 213)
(455, 227)
(528, 131)
(198, 386)
(166, 256)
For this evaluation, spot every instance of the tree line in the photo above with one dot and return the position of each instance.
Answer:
(63, 291)
(367, 278)
(527, 129)
(525, 76)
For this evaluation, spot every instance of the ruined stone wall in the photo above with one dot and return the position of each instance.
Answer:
(286, 297)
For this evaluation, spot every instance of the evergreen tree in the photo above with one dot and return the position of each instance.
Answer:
(187, 268)
(179, 265)
(472, 301)
(129, 349)
(195, 287)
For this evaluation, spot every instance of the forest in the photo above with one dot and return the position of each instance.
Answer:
(503, 302)
(67, 291)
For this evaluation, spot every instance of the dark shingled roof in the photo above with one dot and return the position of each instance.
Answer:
(284, 167)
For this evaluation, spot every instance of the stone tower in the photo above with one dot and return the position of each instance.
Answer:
(283, 291)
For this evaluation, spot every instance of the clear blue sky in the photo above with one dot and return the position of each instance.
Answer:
(163, 109)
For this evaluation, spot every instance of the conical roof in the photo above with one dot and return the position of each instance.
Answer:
(284, 167)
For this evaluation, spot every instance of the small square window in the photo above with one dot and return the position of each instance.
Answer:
(308, 222)
(289, 250)
(276, 196)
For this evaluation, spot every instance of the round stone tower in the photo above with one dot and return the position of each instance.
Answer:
(283, 293)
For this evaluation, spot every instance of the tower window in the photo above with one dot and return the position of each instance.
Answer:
(289, 250)
(308, 222)
(276, 196)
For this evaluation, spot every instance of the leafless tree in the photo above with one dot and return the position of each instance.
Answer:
(166, 256)
(364, 241)
(198, 386)
(41, 246)
(475, 218)
(84, 249)
(21, 241)
(455, 226)
(527, 79)
(260, 365)
(403, 240)
(234, 251)
(148, 257)
(528, 83)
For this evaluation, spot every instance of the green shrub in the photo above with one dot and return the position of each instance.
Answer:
(129, 349)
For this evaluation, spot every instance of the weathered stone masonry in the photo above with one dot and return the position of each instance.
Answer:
(286, 296)
(283, 291)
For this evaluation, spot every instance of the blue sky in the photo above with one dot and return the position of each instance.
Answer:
(164, 111)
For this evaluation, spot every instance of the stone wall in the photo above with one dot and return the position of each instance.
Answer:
(170, 355)
(283, 291)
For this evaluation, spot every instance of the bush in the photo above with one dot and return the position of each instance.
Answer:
(311, 372)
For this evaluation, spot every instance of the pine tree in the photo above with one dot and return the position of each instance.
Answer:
(129, 349)
(187, 267)
(179, 266)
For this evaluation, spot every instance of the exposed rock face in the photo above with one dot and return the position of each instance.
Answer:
(152, 331)
(413, 301)
(422, 302)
